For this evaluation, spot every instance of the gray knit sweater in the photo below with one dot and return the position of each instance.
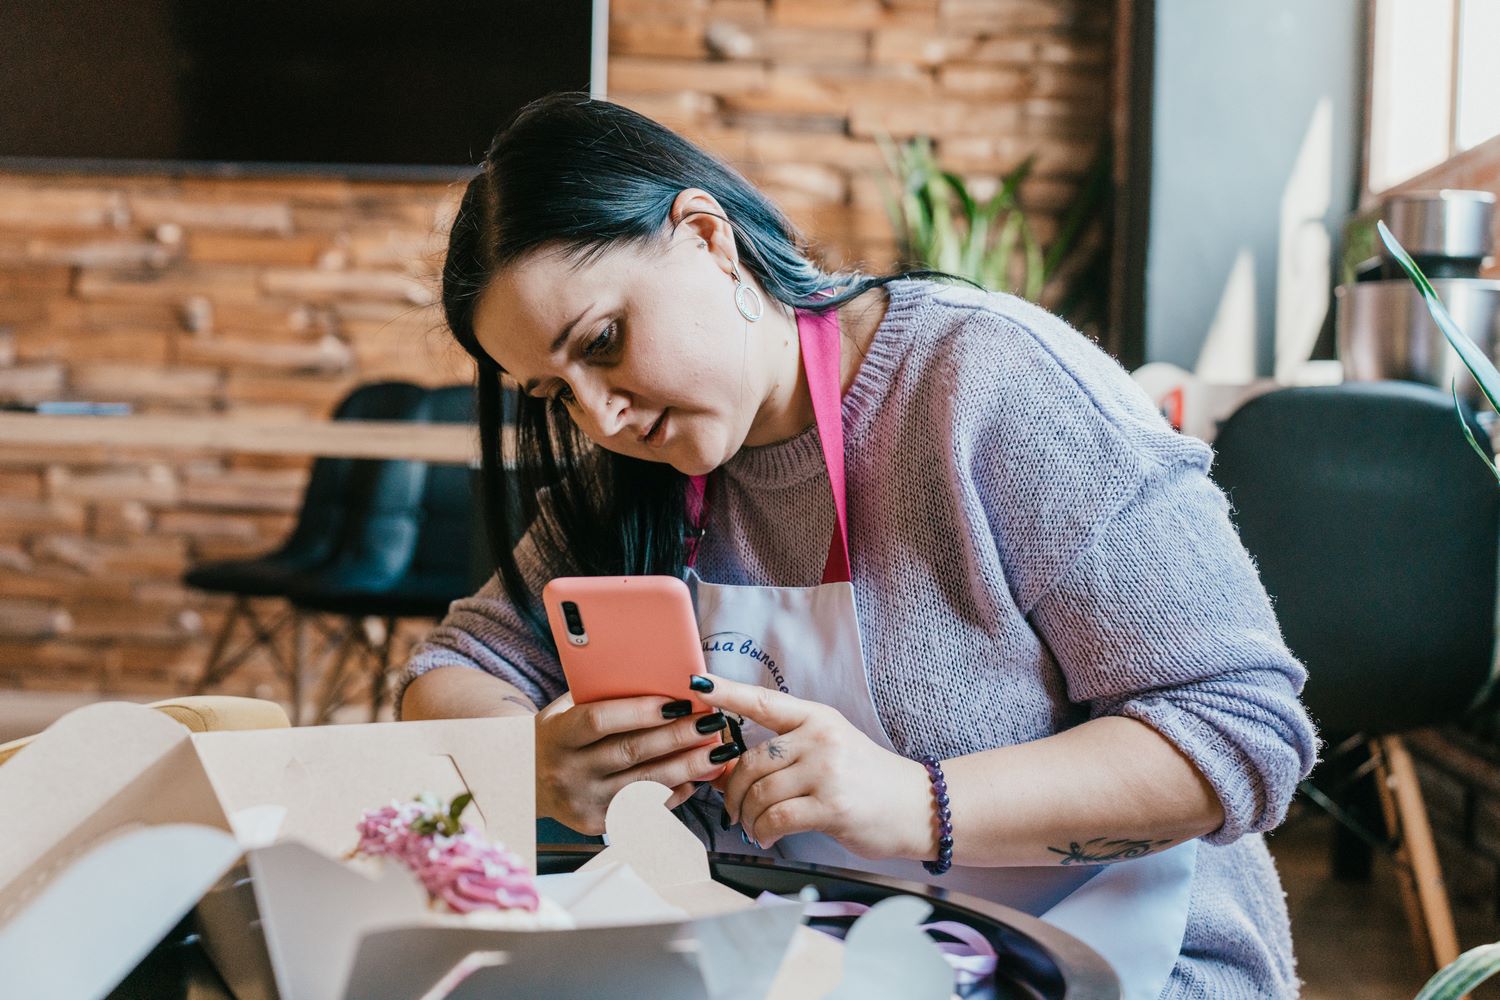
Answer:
(1033, 546)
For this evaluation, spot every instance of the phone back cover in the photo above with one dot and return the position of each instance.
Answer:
(643, 637)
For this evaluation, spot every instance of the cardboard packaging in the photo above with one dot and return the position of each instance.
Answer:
(94, 808)
(118, 821)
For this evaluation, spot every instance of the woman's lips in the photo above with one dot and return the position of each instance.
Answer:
(657, 432)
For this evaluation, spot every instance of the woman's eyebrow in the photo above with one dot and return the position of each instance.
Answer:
(567, 331)
(555, 346)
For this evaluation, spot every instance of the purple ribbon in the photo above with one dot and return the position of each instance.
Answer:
(970, 954)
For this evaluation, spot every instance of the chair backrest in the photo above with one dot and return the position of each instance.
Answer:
(1375, 527)
(375, 544)
(332, 487)
(446, 540)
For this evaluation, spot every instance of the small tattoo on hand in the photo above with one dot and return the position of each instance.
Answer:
(1102, 850)
(775, 750)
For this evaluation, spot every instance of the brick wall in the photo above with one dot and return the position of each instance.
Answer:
(237, 297)
(221, 297)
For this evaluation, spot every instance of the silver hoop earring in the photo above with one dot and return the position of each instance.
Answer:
(745, 298)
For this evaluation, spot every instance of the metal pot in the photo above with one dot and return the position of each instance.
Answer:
(1449, 232)
(1385, 331)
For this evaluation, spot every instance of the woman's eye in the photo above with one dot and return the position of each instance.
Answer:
(600, 343)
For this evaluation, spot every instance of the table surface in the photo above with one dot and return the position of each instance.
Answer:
(446, 443)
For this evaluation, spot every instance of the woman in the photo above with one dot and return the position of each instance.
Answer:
(1027, 579)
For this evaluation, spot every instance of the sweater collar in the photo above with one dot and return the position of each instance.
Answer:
(800, 457)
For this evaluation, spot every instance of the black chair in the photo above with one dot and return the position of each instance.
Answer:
(334, 487)
(1375, 528)
(405, 553)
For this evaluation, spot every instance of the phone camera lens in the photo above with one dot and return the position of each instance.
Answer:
(572, 617)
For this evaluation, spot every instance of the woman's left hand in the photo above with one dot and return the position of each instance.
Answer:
(820, 773)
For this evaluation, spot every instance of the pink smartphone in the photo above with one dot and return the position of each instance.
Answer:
(625, 636)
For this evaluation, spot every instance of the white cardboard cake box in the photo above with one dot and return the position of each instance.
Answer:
(117, 821)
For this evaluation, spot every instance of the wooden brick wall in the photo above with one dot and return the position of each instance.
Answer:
(222, 297)
(252, 296)
(794, 92)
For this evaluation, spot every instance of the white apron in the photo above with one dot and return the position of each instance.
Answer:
(805, 641)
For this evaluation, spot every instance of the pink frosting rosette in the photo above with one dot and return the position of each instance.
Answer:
(458, 866)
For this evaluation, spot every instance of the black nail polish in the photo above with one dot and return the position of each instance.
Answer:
(727, 752)
(676, 709)
(735, 736)
(701, 683)
(724, 823)
(711, 723)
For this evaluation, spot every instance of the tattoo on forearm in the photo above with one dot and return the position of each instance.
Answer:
(775, 750)
(522, 702)
(1102, 850)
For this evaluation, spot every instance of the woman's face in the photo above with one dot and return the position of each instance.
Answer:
(644, 347)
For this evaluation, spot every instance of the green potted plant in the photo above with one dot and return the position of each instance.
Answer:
(941, 224)
(1477, 964)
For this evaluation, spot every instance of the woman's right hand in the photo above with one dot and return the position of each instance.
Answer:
(587, 753)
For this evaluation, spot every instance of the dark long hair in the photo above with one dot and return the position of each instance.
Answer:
(579, 176)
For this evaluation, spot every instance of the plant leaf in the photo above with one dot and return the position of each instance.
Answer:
(1010, 183)
(1091, 196)
(459, 805)
(1463, 973)
(1036, 274)
(998, 261)
(1480, 366)
(1469, 433)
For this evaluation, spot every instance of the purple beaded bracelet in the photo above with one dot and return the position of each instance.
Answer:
(944, 817)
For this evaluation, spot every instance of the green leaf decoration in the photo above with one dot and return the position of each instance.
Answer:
(460, 803)
(1463, 974)
(1474, 359)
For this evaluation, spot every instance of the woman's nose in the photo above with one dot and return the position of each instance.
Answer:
(607, 409)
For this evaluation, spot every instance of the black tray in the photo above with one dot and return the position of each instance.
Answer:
(1036, 960)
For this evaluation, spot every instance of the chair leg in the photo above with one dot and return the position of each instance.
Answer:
(380, 670)
(212, 670)
(331, 693)
(1351, 854)
(298, 673)
(1423, 894)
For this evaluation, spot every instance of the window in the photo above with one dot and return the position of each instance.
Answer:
(1435, 91)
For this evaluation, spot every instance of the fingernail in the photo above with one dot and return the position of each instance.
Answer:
(711, 723)
(746, 838)
(676, 709)
(727, 752)
(735, 736)
(724, 823)
(701, 683)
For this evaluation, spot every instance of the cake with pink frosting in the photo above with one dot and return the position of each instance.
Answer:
(466, 875)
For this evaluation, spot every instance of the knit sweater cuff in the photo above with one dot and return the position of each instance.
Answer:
(1232, 773)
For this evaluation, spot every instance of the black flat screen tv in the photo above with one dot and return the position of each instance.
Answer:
(373, 88)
